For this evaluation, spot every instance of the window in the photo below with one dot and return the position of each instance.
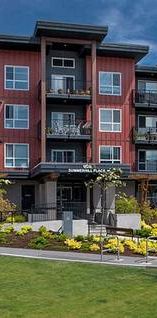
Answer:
(147, 86)
(16, 155)
(62, 84)
(62, 119)
(16, 116)
(17, 77)
(63, 156)
(109, 83)
(63, 62)
(147, 160)
(109, 120)
(147, 123)
(109, 154)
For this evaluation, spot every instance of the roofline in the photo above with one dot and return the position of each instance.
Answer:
(146, 69)
(100, 31)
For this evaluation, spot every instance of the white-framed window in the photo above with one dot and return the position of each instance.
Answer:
(147, 160)
(63, 62)
(16, 155)
(110, 154)
(62, 84)
(62, 119)
(110, 83)
(16, 77)
(147, 86)
(16, 116)
(109, 120)
(62, 155)
(146, 123)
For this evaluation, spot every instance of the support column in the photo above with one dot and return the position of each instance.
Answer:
(51, 199)
(93, 101)
(110, 199)
(97, 198)
(88, 200)
(43, 99)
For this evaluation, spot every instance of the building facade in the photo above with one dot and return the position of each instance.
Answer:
(72, 104)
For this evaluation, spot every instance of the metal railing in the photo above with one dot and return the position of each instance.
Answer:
(69, 127)
(147, 166)
(68, 86)
(145, 97)
(148, 134)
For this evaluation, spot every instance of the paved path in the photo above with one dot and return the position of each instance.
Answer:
(78, 257)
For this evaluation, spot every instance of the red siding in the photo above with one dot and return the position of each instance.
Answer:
(30, 136)
(124, 102)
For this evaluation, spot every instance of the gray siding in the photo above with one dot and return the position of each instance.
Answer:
(79, 111)
(78, 71)
(80, 149)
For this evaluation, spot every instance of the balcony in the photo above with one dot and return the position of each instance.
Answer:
(145, 135)
(147, 166)
(67, 88)
(145, 99)
(77, 130)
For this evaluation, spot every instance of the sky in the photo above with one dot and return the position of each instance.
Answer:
(129, 21)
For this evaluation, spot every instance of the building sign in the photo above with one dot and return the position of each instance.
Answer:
(87, 168)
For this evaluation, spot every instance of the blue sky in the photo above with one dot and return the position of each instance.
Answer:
(129, 21)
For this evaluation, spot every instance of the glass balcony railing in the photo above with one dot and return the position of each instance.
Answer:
(147, 135)
(147, 166)
(69, 128)
(147, 98)
(68, 86)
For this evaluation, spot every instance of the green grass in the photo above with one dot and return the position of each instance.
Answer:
(47, 289)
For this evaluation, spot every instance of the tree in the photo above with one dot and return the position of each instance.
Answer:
(109, 178)
(5, 205)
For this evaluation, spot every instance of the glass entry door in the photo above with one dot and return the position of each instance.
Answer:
(64, 194)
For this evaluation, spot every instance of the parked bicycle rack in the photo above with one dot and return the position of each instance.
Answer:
(108, 249)
(150, 238)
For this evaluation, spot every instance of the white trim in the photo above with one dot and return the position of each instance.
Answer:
(61, 75)
(62, 150)
(112, 109)
(15, 89)
(112, 146)
(63, 59)
(14, 144)
(17, 105)
(107, 94)
(144, 162)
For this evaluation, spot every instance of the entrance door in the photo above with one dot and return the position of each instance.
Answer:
(64, 194)
(28, 196)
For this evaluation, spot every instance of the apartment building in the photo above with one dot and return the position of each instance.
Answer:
(71, 105)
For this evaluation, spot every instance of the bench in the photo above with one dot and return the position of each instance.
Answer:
(119, 231)
(116, 232)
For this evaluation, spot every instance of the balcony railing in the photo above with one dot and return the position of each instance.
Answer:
(147, 166)
(68, 87)
(147, 98)
(68, 128)
(145, 135)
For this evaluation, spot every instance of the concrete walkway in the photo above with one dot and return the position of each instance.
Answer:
(78, 257)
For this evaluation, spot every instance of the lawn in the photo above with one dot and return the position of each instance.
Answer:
(48, 289)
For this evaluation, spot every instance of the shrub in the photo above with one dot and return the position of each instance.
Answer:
(17, 218)
(3, 238)
(126, 204)
(79, 238)
(61, 237)
(24, 230)
(8, 229)
(42, 229)
(72, 244)
(39, 242)
(94, 247)
(112, 245)
(148, 214)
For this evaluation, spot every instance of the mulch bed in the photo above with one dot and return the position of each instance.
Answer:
(16, 241)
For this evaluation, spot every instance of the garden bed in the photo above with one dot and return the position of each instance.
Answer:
(47, 240)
